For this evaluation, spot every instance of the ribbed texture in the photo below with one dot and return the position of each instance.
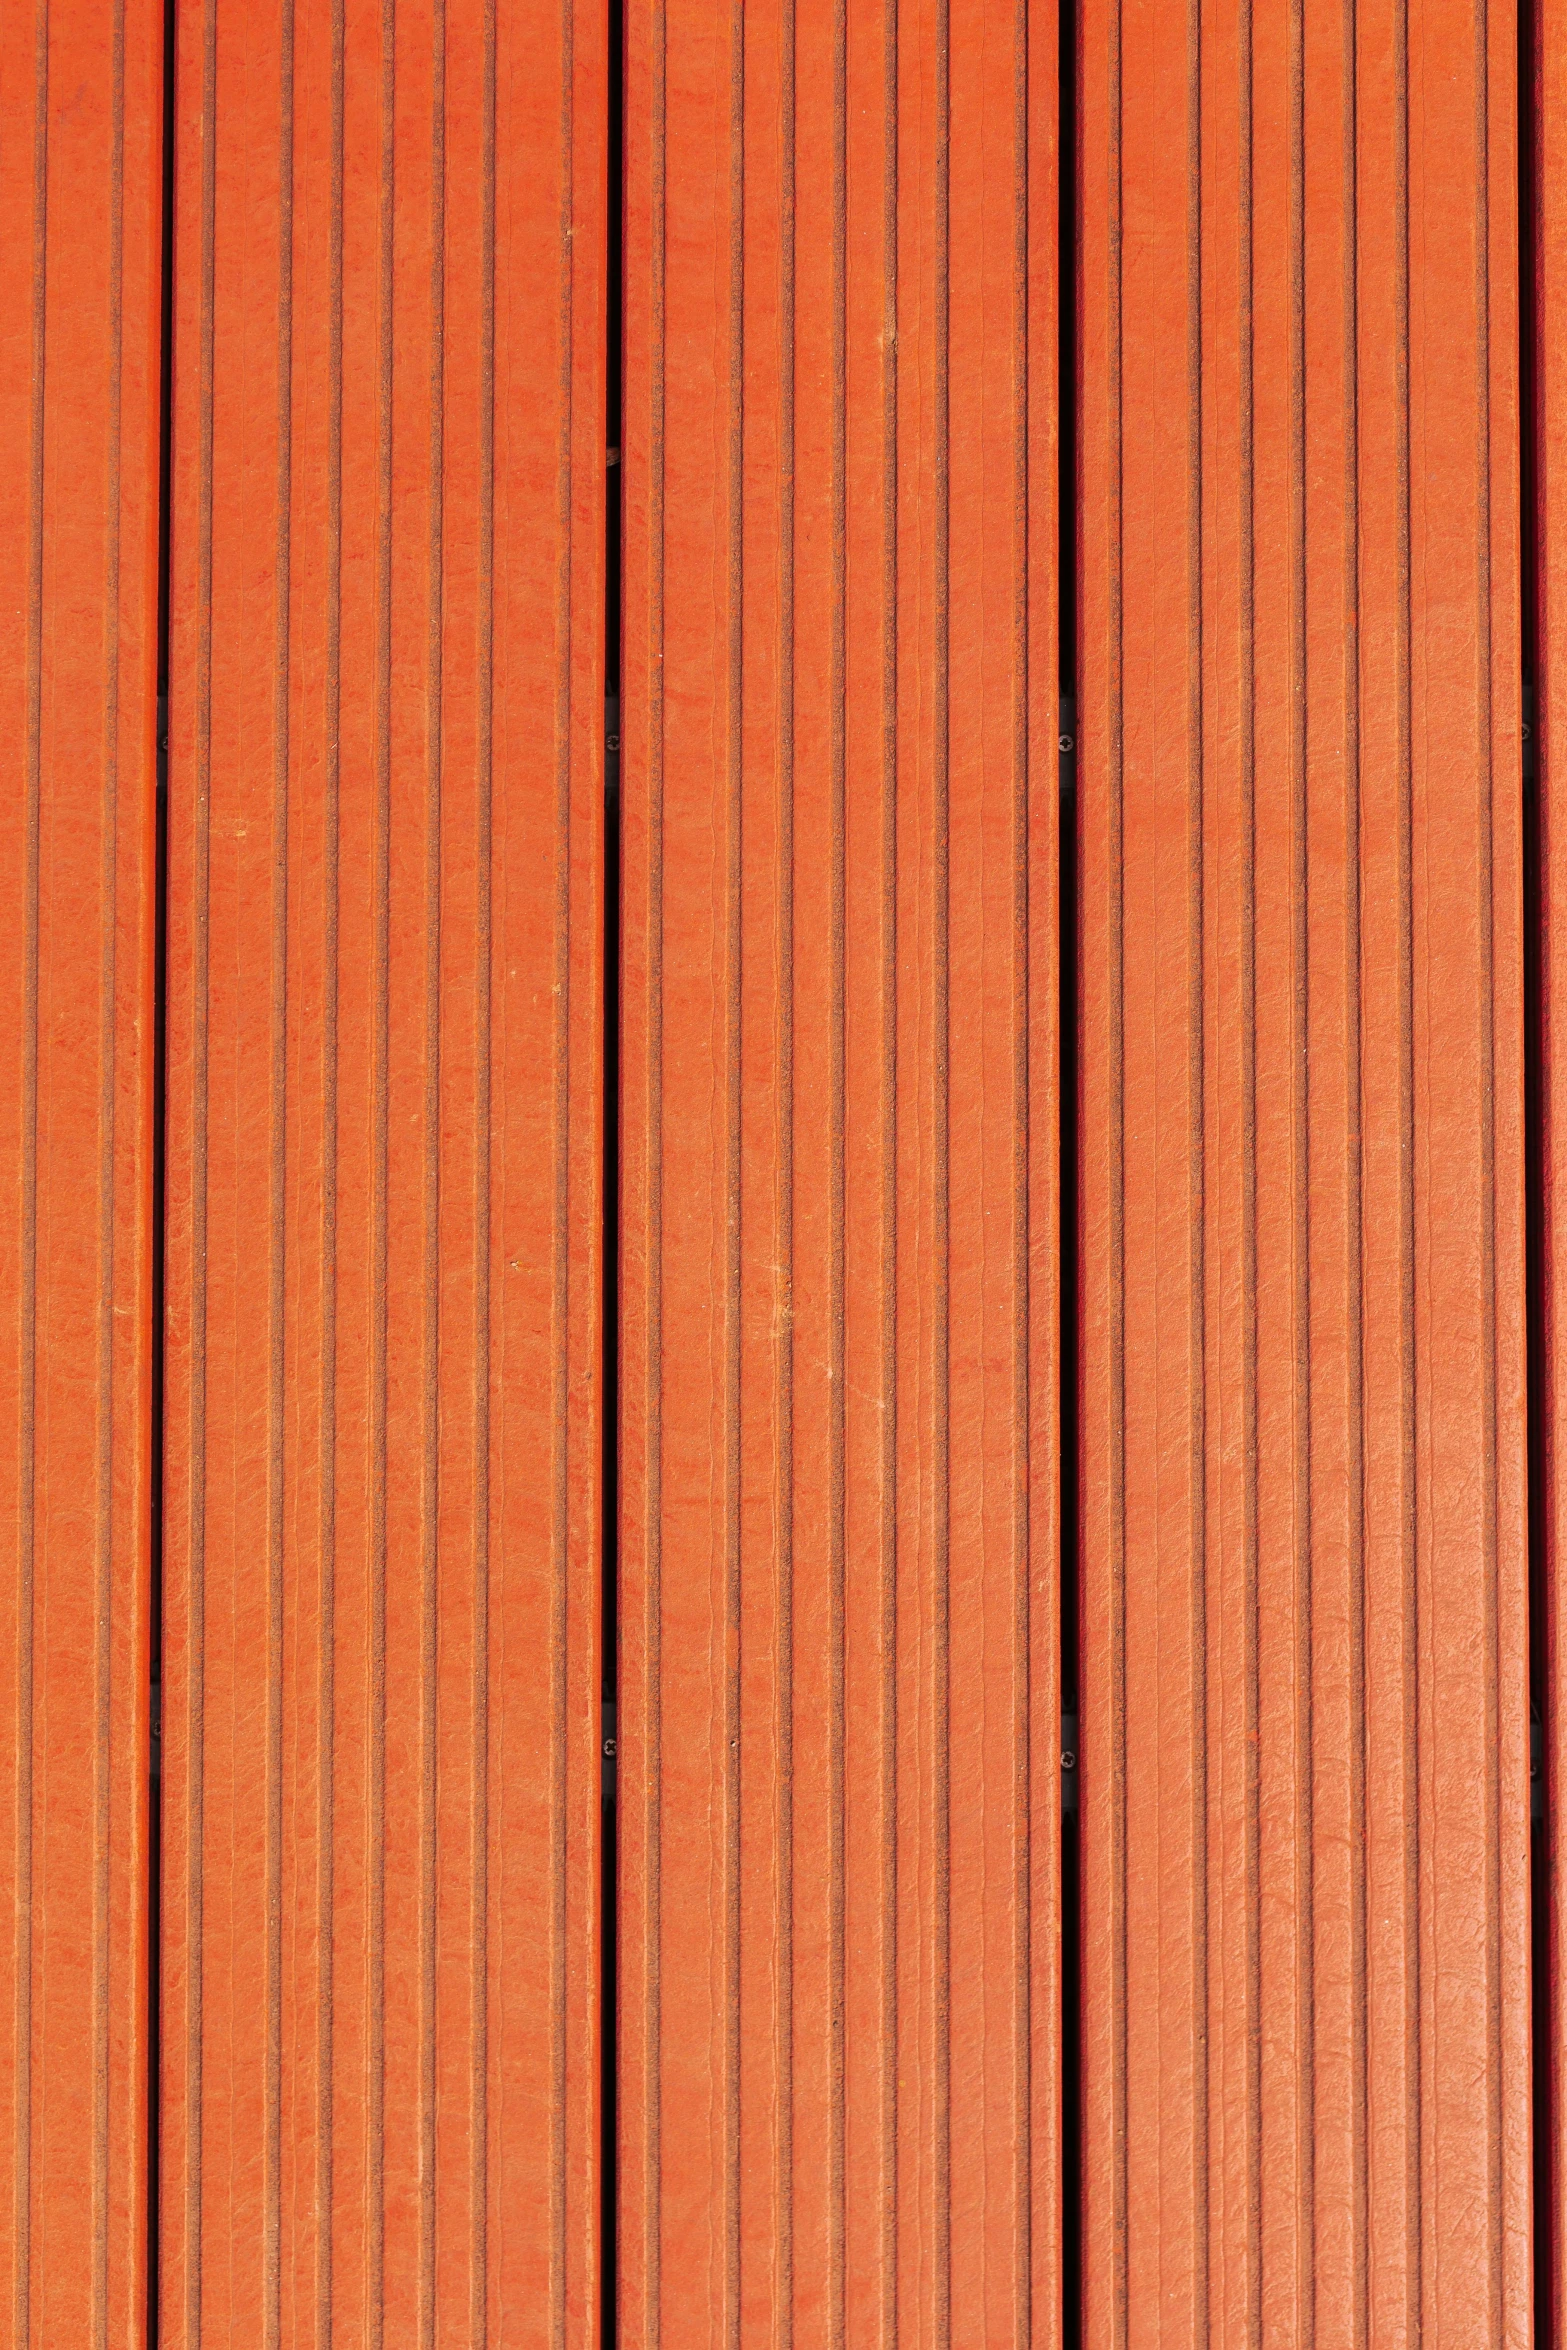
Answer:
(381, 1835)
(1305, 1732)
(839, 1715)
(80, 177)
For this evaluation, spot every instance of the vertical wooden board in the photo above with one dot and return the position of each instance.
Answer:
(80, 216)
(382, 1622)
(839, 1716)
(1305, 1735)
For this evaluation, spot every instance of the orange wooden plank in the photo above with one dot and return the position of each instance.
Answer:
(839, 1714)
(1305, 1736)
(382, 1825)
(80, 270)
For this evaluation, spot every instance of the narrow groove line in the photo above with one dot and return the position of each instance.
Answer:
(1115, 756)
(605, 1068)
(481, 2316)
(1492, 1510)
(837, 2279)
(653, 1781)
(1025, 1807)
(891, 2029)
(331, 912)
(1359, 1757)
(1412, 1623)
(28, 1313)
(941, 1117)
(786, 1115)
(430, 1496)
(108, 1269)
(735, 1201)
(1197, 1174)
(277, 1268)
(381, 1059)
(1249, 1252)
(560, 1240)
(200, 1080)
(1062, 977)
(1540, 632)
(1300, 1047)
(157, 2211)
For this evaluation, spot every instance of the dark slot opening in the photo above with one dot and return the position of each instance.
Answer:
(1066, 307)
(611, 1497)
(611, 1507)
(613, 330)
(611, 1339)
(1071, 2050)
(159, 1116)
(1534, 1194)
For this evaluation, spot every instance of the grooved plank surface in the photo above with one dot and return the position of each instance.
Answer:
(382, 1625)
(80, 190)
(839, 1706)
(1305, 1732)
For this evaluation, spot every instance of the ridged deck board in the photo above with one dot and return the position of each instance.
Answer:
(80, 270)
(382, 1625)
(1305, 1730)
(839, 1707)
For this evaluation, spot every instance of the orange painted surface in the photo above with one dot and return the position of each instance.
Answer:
(839, 1708)
(80, 187)
(1305, 1736)
(382, 1667)
(1304, 1705)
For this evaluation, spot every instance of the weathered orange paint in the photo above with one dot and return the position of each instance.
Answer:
(839, 1701)
(80, 193)
(1305, 1728)
(382, 1649)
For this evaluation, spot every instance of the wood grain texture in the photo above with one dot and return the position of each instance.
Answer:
(1305, 1734)
(80, 274)
(839, 1705)
(382, 1628)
